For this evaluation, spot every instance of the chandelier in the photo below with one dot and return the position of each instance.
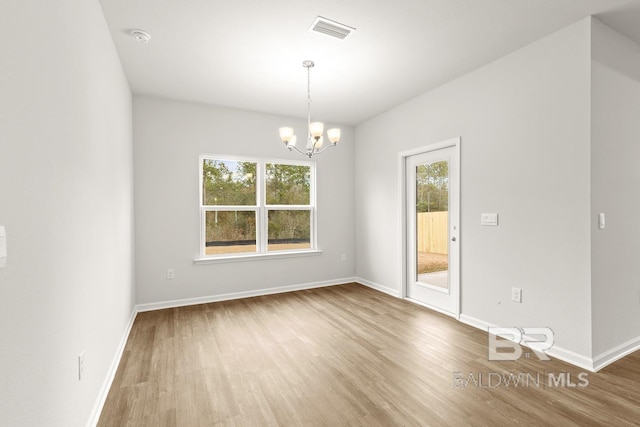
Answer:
(315, 140)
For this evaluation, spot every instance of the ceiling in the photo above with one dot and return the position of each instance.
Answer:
(248, 54)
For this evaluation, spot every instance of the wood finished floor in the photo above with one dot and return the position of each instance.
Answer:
(343, 355)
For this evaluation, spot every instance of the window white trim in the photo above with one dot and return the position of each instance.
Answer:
(217, 259)
(261, 210)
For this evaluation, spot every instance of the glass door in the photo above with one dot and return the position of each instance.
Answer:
(432, 215)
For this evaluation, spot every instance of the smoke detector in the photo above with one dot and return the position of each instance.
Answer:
(141, 36)
(330, 28)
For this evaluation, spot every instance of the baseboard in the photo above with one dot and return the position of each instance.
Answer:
(572, 358)
(238, 295)
(111, 373)
(378, 287)
(616, 353)
(556, 352)
(476, 323)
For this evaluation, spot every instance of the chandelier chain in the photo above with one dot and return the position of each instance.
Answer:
(308, 103)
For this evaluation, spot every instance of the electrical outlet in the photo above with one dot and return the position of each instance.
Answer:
(516, 294)
(81, 366)
(343, 257)
(171, 274)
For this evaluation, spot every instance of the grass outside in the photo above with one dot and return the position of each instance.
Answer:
(236, 249)
(429, 262)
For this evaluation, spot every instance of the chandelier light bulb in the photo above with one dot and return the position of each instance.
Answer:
(316, 129)
(334, 135)
(286, 134)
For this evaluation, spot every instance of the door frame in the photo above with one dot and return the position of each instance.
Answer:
(402, 174)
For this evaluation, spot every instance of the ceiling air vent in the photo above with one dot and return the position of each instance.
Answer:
(330, 28)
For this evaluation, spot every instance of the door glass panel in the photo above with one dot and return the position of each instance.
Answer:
(432, 224)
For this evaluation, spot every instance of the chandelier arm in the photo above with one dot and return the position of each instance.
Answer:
(313, 151)
(324, 148)
(293, 147)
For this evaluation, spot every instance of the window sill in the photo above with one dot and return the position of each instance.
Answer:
(255, 257)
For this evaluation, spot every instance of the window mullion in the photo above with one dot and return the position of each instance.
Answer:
(289, 207)
(262, 213)
(211, 208)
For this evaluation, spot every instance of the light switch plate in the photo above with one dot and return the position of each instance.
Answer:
(3, 247)
(489, 219)
(601, 221)
(516, 294)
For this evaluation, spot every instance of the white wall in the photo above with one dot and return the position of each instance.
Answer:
(524, 124)
(66, 190)
(169, 136)
(615, 70)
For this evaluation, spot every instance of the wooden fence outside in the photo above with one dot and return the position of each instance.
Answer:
(433, 232)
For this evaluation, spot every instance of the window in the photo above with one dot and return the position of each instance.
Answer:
(253, 206)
